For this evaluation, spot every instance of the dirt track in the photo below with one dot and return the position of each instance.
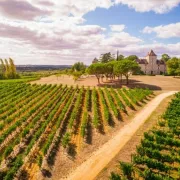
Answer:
(91, 168)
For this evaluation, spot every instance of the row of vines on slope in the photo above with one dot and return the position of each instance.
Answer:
(158, 155)
(35, 120)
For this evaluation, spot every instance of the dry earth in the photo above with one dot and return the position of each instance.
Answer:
(165, 83)
(65, 164)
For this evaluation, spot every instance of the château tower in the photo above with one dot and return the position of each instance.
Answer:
(152, 59)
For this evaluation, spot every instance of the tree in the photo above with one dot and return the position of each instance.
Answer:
(8, 69)
(108, 69)
(117, 69)
(2, 69)
(12, 68)
(120, 57)
(97, 70)
(165, 57)
(132, 57)
(77, 75)
(173, 66)
(126, 67)
(106, 57)
(79, 66)
(58, 75)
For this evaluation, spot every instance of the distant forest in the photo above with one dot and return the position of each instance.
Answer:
(33, 68)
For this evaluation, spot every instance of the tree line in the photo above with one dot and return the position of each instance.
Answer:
(8, 69)
(109, 66)
(113, 69)
(173, 66)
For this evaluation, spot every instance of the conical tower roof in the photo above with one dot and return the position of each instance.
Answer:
(151, 53)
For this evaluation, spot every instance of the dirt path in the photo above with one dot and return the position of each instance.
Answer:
(93, 166)
(130, 147)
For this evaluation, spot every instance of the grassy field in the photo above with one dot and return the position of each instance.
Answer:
(36, 119)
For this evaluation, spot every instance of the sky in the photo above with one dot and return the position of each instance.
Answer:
(62, 32)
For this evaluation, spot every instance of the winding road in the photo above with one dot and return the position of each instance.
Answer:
(93, 166)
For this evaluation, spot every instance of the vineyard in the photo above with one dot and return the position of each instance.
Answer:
(35, 120)
(158, 155)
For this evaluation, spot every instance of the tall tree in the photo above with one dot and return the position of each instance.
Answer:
(132, 57)
(97, 70)
(117, 69)
(126, 67)
(2, 69)
(120, 57)
(12, 67)
(79, 66)
(106, 57)
(165, 57)
(108, 69)
(173, 66)
(8, 69)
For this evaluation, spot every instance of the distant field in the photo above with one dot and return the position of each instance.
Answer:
(165, 83)
(35, 120)
(21, 80)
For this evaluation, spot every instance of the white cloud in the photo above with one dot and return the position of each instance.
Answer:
(121, 39)
(158, 6)
(54, 9)
(52, 32)
(167, 31)
(38, 9)
(117, 28)
(60, 39)
(65, 42)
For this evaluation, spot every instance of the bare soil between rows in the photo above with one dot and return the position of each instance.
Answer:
(130, 148)
(65, 164)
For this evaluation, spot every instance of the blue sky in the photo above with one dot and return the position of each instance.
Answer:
(134, 21)
(64, 32)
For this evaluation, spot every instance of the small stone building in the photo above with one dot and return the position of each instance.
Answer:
(151, 65)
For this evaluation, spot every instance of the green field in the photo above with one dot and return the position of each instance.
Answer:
(158, 155)
(36, 119)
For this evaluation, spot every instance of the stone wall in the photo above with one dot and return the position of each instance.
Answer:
(153, 69)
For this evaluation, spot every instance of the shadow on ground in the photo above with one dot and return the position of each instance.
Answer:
(132, 84)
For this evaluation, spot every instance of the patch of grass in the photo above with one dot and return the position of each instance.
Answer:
(24, 79)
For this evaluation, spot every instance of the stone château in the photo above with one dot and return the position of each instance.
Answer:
(151, 65)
